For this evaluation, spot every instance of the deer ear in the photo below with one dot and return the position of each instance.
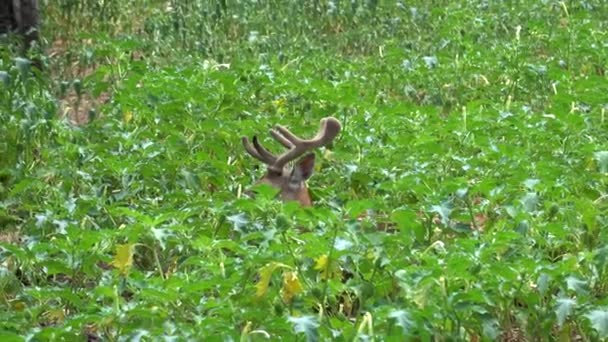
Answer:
(304, 168)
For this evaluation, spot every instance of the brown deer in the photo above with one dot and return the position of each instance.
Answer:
(291, 181)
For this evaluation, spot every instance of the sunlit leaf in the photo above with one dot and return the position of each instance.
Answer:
(491, 328)
(403, 319)
(160, 235)
(123, 258)
(4, 78)
(577, 285)
(238, 221)
(462, 193)
(127, 116)
(342, 244)
(543, 283)
(602, 159)
(265, 273)
(10, 337)
(444, 211)
(599, 322)
(327, 269)
(530, 201)
(564, 309)
(307, 325)
(55, 315)
(322, 262)
(291, 286)
(23, 65)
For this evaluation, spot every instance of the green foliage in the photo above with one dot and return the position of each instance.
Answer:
(465, 197)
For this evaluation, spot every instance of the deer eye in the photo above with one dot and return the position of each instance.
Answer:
(273, 173)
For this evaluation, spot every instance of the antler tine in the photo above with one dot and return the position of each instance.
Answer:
(257, 151)
(329, 129)
(264, 152)
(278, 134)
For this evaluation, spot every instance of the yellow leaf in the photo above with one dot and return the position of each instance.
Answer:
(265, 274)
(123, 260)
(328, 270)
(127, 116)
(328, 154)
(245, 332)
(279, 103)
(19, 306)
(55, 315)
(321, 262)
(291, 286)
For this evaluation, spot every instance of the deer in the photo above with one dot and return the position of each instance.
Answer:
(291, 180)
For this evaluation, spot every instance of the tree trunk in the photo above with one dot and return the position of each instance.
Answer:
(22, 17)
(7, 19)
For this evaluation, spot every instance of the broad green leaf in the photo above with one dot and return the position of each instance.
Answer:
(307, 325)
(238, 220)
(564, 309)
(342, 244)
(543, 283)
(160, 235)
(5, 78)
(599, 322)
(530, 202)
(9, 336)
(523, 227)
(444, 211)
(577, 285)
(403, 319)
(491, 328)
(531, 183)
(462, 193)
(602, 159)
(23, 65)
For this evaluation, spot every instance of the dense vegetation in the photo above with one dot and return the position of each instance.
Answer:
(465, 199)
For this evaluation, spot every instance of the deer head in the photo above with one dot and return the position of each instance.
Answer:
(291, 181)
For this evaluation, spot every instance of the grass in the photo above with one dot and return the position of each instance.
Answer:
(465, 198)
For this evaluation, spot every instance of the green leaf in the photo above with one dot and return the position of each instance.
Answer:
(407, 221)
(530, 202)
(161, 235)
(563, 309)
(307, 325)
(5, 78)
(460, 227)
(10, 337)
(543, 283)
(23, 65)
(577, 285)
(358, 207)
(444, 211)
(403, 319)
(523, 227)
(462, 193)
(531, 183)
(239, 220)
(599, 322)
(602, 159)
(491, 328)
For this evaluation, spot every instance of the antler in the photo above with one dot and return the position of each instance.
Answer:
(330, 127)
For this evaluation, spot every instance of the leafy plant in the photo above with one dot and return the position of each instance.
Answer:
(464, 198)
